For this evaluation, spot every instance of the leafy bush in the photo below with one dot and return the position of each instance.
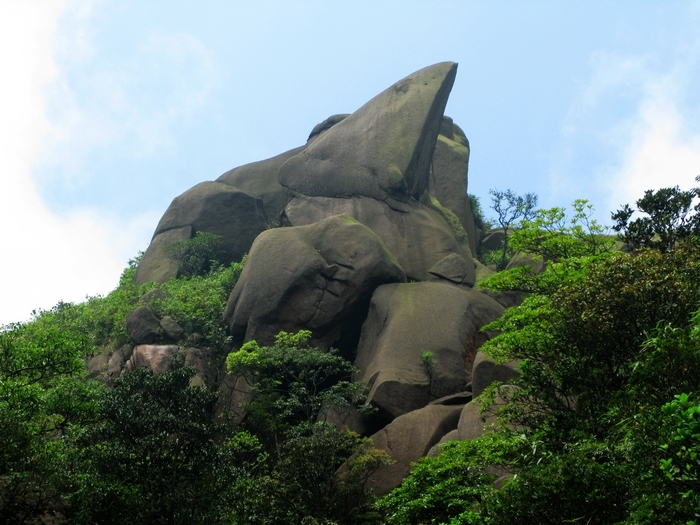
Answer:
(451, 487)
(43, 395)
(293, 387)
(669, 219)
(197, 303)
(197, 256)
(154, 455)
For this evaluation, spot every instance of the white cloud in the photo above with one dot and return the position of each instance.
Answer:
(661, 152)
(633, 126)
(45, 257)
(128, 109)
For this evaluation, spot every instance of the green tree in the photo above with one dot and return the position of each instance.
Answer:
(510, 208)
(154, 455)
(318, 473)
(670, 217)
(197, 256)
(568, 244)
(293, 385)
(44, 394)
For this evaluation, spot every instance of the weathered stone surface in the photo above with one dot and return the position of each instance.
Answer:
(235, 393)
(520, 259)
(308, 277)
(117, 360)
(158, 358)
(173, 330)
(406, 320)
(408, 438)
(486, 371)
(352, 419)
(460, 398)
(98, 363)
(155, 265)
(452, 435)
(384, 149)
(212, 207)
(453, 268)
(449, 179)
(417, 235)
(142, 326)
(202, 360)
(492, 240)
(326, 125)
(259, 179)
(472, 423)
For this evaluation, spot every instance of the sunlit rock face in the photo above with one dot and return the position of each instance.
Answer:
(363, 235)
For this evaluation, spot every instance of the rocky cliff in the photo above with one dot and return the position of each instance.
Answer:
(363, 235)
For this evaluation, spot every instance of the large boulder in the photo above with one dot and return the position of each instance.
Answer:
(384, 149)
(486, 371)
(142, 325)
(475, 422)
(406, 320)
(259, 179)
(449, 179)
(418, 235)
(211, 207)
(159, 358)
(155, 264)
(308, 277)
(409, 438)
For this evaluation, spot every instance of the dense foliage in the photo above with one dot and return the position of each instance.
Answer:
(294, 389)
(606, 405)
(669, 216)
(602, 426)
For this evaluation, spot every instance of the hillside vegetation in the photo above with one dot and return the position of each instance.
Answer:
(602, 425)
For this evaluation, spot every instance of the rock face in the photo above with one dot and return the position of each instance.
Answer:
(404, 322)
(384, 149)
(259, 179)
(449, 176)
(408, 438)
(211, 207)
(142, 325)
(308, 277)
(485, 372)
(372, 200)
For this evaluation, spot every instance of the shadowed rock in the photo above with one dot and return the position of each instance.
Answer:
(308, 277)
(142, 326)
(406, 320)
(408, 438)
(384, 149)
(449, 176)
(211, 207)
(259, 179)
(486, 371)
(417, 234)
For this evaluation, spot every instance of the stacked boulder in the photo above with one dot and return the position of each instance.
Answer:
(364, 236)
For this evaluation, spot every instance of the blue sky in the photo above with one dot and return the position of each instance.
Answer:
(110, 108)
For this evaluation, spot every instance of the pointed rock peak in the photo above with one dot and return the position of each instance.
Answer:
(384, 149)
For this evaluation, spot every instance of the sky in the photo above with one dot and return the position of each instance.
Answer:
(109, 109)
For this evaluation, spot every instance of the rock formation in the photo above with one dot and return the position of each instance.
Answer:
(365, 236)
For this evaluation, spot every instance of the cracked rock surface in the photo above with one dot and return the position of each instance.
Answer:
(308, 277)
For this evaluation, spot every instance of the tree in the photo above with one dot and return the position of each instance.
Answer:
(43, 395)
(670, 218)
(566, 243)
(154, 455)
(317, 472)
(198, 255)
(511, 208)
(292, 385)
